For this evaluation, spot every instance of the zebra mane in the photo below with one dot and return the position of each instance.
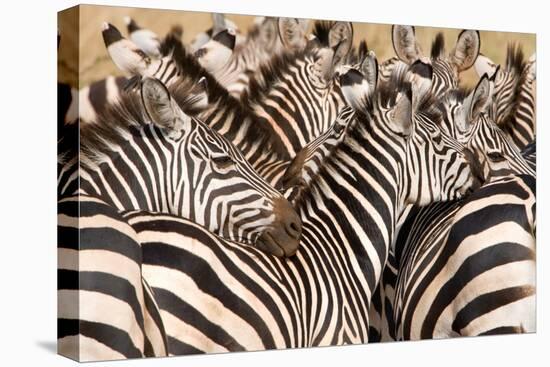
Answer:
(274, 70)
(172, 37)
(118, 121)
(321, 31)
(455, 95)
(269, 73)
(438, 46)
(357, 54)
(190, 72)
(515, 59)
(111, 128)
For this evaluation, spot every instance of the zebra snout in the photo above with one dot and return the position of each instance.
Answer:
(283, 237)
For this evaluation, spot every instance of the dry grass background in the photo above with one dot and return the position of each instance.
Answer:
(95, 64)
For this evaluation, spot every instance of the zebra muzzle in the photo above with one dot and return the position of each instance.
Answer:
(283, 237)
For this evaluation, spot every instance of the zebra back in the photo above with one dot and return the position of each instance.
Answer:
(99, 269)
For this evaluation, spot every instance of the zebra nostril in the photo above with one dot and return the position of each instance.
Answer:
(294, 227)
(286, 230)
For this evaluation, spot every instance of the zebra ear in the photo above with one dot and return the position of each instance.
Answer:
(404, 43)
(355, 88)
(160, 107)
(198, 99)
(466, 50)
(292, 33)
(401, 115)
(268, 31)
(341, 31)
(420, 76)
(218, 23)
(369, 68)
(217, 52)
(485, 65)
(479, 98)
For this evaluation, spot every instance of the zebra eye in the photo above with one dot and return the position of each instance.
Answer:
(338, 129)
(495, 156)
(223, 161)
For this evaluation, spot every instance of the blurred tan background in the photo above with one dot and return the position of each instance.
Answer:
(95, 63)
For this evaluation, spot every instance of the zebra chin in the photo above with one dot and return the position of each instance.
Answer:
(282, 238)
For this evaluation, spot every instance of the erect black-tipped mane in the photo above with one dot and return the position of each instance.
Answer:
(438, 46)
(170, 42)
(173, 37)
(321, 31)
(110, 127)
(515, 60)
(357, 54)
(363, 50)
(133, 26)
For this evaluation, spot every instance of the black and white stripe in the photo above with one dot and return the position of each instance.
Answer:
(155, 157)
(425, 233)
(235, 298)
(106, 310)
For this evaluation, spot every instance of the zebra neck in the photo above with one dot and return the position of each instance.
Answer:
(356, 195)
(256, 141)
(292, 101)
(120, 176)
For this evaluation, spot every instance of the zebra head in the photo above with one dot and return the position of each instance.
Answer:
(446, 67)
(305, 165)
(496, 155)
(149, 154)
(296, 93)
(226, 194)
(433, 166)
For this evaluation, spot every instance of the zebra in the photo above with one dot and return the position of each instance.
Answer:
(85, 104)
(514, 106)
(265, 112)
(446, 67)
(106, 310)
(473, 271)
(148, 154)
(493, 150)
(320, 296)
(296, 94)
(131, 60)
(498, 158)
